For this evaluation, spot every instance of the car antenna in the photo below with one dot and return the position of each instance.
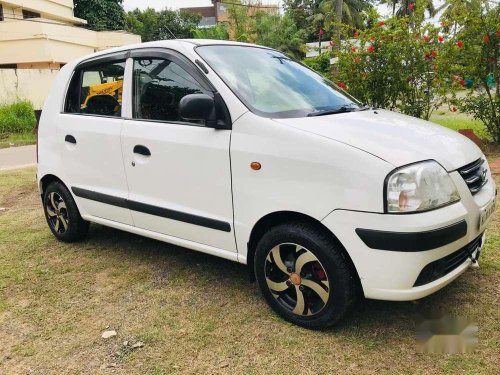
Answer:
(170, 31)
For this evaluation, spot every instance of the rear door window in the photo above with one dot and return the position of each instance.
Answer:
(97, 90)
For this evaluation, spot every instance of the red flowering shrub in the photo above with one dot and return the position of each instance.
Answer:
(395, 67)
(342, 85)
(411, 66)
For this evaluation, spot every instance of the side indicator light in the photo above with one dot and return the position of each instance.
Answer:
(255, 166)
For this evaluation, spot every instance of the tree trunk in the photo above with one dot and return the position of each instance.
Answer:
(339, 5)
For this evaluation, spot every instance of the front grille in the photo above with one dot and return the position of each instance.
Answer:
(474, 175)
(444, 266)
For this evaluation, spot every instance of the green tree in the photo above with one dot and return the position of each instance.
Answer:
(353, 10)
(331, 14)
(320, 63)
(151, 24)
(401, 8)
(300, 12)
(101, 14)
(392, 3)
(279, 32)
(219, 32)
(310, 15)
(323, 18)
(268, 29)
(473, 54)
(241, 23)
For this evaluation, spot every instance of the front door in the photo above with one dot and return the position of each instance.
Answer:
(89, 137)
(178, 172)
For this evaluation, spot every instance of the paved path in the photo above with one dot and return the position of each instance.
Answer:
(17, 157)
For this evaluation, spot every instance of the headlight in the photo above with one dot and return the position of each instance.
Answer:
(419, 187)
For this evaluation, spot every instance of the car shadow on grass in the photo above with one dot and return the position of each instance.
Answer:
(380, 321)
(160, 255)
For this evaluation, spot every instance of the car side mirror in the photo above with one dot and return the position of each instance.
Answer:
(198, 107)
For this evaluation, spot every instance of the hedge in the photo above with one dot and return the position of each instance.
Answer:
(17, 117)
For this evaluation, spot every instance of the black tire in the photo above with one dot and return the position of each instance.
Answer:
(338, 279)
(62, 214)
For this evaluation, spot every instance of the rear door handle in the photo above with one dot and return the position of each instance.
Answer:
(70, 139)
(142, 150)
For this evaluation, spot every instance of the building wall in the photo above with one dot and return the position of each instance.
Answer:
(31, 84)
(31, 41)
(58, 10)
(37, 47)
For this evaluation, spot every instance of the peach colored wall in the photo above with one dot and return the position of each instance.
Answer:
(31, 84)
(39, 46)
(28, 42)
(50, 9)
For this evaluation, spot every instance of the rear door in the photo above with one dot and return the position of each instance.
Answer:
(178, 172)
(89, 132)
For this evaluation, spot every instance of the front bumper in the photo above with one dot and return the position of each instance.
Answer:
(390, 269)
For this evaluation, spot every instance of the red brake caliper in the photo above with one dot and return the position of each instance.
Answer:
(318, 272)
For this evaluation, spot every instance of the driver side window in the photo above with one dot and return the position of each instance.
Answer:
(159, 85)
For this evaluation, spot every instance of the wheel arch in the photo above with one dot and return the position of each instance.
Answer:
(282, 217)
(47, 180)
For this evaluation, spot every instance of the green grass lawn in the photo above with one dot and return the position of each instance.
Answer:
(17, 139)
(196, 313)
(457, 124)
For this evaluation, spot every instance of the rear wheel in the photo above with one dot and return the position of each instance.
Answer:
(62, 214)
(304, 275)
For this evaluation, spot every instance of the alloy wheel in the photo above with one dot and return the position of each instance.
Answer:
(57, 213)
(296, 278)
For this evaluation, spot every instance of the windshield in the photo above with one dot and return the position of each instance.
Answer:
(272, 85)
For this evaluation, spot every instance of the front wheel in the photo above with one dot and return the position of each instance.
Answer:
(304, 276)
(62, 214)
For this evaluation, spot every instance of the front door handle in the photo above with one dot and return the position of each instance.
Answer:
(70, 139)
(142, 150)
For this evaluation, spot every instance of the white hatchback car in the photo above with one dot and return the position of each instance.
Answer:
(238, 151)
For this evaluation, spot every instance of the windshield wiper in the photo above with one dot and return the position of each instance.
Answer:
(281, 58)
(343, 109)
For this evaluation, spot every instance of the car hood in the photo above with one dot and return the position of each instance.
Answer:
(396, 138)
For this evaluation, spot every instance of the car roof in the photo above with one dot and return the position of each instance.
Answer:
(201, 42)
(168, 43)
